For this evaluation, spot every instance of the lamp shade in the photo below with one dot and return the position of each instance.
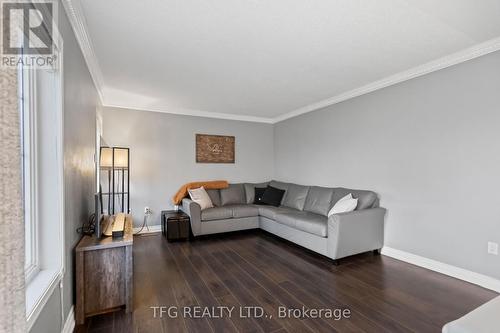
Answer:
(106, 159)
(121, 158)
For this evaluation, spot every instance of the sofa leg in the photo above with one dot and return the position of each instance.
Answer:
(376, 252)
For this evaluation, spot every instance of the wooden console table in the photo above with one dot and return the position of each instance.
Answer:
(104, 274)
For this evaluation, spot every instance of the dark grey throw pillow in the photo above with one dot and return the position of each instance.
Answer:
(259, 193)
(272, 196)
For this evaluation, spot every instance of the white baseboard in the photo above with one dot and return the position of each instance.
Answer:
(453, 271)
(152, 229)
(69, 325)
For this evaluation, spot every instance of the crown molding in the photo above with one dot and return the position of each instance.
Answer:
(195, 113)
(74, 11)
(433, 66)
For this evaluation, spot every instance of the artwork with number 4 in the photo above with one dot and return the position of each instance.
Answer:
(214, 148)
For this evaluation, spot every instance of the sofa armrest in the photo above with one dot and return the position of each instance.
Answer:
(192, 209)
(355, 232)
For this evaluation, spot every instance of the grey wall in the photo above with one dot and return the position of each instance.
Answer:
(429, 146)
(49, 320)
(80, 102)
(162, 153)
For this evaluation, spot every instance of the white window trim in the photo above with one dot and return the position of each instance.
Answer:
(31, 171)
(42, 284)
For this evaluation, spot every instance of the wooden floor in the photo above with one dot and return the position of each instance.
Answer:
(257, 269)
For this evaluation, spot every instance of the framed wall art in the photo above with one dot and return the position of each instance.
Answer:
(214, 148)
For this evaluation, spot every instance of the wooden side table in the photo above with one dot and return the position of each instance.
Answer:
(175, 225)
(104, 274)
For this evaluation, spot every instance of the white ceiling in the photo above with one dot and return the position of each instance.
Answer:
(269, 59)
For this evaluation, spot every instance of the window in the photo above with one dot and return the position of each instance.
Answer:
(26, 79)
(41, 121)
(40, 162)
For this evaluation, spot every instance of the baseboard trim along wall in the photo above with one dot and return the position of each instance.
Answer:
(453, 271)
(152, 229)
(69, 325)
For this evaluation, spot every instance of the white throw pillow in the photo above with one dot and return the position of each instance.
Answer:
(344, 205)
(200, 196)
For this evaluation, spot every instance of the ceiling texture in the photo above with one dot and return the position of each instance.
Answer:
(261, 60)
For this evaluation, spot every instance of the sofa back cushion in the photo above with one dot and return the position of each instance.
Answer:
(295, 196)
(319, 200)
(250, 191)
(281, 186)
(366, 199)
(215, 197)
(234, 194)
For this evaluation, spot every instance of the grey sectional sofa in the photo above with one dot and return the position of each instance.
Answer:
(301, 218)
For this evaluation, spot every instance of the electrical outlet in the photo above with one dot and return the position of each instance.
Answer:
(493, 248)
(147, 210)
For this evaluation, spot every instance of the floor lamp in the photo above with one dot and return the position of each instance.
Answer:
(115, 162)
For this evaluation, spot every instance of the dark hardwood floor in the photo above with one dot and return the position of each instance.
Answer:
(257, 269)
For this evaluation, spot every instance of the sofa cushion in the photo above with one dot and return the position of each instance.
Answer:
(305, 221)
(244, 210)
(259, 193)
(366, 199)
(214, 196)
(234, 194)
(345, 205)
(295, 196)
(272, 196)
(318, 200)
(280, 185)
(216, 213)
(270, 211)
(250, 191)
(201, 197)
(286, 217)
